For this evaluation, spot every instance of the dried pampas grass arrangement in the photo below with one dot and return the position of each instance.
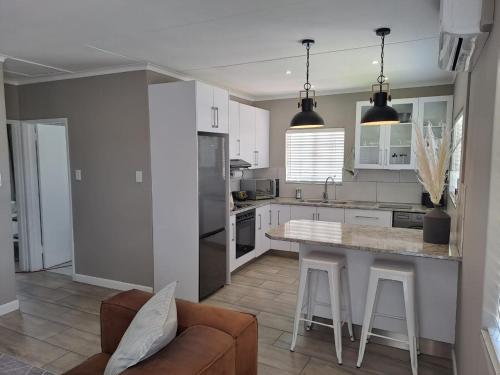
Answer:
(433, 159)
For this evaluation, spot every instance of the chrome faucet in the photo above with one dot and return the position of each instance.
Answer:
(325, 193)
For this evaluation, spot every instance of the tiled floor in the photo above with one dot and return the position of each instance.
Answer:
(58, 325)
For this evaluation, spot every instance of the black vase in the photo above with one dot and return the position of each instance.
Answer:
(437, 226)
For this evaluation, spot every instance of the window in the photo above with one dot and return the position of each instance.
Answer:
(456, 157)
(313, 155)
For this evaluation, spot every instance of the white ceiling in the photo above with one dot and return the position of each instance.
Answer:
(244, 45)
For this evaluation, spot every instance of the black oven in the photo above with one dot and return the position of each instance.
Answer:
(245, 233)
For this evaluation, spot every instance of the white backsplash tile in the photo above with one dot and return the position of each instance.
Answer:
(357, 191)
(372, 175)
(235, 184)
(399, 192)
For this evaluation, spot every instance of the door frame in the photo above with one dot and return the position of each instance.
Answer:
(17, 161)
(32, 195)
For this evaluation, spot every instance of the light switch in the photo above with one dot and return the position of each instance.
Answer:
(78, 174)
(138, 176)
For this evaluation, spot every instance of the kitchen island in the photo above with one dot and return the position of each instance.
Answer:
(436, 268)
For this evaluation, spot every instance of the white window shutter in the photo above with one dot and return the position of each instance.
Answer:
(313, 155)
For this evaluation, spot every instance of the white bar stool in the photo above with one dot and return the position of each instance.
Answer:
(404, 273)
(335, 267)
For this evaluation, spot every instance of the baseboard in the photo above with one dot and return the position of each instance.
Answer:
(107, 283)
(9, 307)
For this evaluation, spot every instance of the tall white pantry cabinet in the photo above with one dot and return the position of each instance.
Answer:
(177, 112)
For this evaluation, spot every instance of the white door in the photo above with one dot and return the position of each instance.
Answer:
(55, 210)
(262, 137)
(247, 134)
(302, 213)
(330, 214)
(234, 130)
(221, 108)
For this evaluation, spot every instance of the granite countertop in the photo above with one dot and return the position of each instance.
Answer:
(405, 207)
(398, 241)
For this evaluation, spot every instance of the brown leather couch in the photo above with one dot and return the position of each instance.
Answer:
(210, 340)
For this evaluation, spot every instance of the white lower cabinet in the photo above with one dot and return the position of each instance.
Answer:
(330, 214)
(279, 214)
(302, 212)
(262, 225)
(369, 217)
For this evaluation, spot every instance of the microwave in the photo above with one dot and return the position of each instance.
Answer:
(264, 188)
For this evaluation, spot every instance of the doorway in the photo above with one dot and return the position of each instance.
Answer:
(41, 195)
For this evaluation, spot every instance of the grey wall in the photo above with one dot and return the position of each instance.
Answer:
(108, 140)
(12, 102)
(7, 281)
(481, 107)
(340, 111)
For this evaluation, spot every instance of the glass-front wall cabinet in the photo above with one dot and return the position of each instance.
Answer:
(393, 146)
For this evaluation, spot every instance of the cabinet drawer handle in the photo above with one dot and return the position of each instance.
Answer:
(366, 217)
(234, 234)
(314, 216)
(217, 117)
(260, 221)
(317, 216)
(239, 146)
(270, 217)
(213, 117)
(278, 217)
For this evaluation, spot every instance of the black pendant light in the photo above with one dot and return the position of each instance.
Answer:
(307, 118)
(381, 113)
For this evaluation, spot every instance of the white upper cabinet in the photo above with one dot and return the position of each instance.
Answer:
(234, 130)
(434, 112)
(393, 146)
(262, 138)
(212, 109)
(249, 134)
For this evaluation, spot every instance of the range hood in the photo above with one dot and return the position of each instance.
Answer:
(465, 26)
(239, 164)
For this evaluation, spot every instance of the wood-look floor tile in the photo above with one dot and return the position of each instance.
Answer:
(269, 277)
(267, 305)
(83, 343)
(280, 286)
(45, 279)
(28, 349)
(320, 367)
(230, 306)
(41, 292)
(263, 369)
(81, 302)
(64, 363)
(90, 290)
(268, 336)
(63, 315)
(282, 359)
(245, 280)
(31, 325)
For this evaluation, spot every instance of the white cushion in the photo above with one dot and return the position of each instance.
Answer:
(152, 328)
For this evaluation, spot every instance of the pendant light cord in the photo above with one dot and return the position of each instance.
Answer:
(307, 85)
(381, 77)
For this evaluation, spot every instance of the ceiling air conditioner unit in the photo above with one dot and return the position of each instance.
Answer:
(465, 26)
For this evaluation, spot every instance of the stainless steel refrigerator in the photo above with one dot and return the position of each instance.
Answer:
(212, 212)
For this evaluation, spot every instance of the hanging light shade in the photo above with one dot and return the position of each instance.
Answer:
(307, 117)
(380, 113)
